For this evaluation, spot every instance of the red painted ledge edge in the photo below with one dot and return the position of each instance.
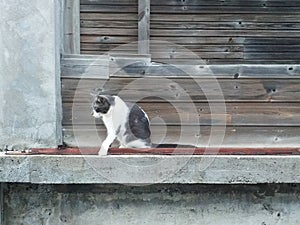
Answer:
(161, 151)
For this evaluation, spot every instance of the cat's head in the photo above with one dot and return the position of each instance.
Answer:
(102, 104)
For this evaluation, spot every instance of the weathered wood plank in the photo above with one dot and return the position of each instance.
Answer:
(91, 136)
(214, 61)
(212, 33)
(272, 48)
(212, 25)
(109, 8)
(108, 24)
(168, 47)
(234, 90)
(250, 61)
(108, 2)
(192, 9)
(109, 16)
(167, 50)
(229, 17)
(157, 56)
(161, 56)
(85, 67)
(261, 18)
(230, 40)
(271, 55)
(126, 65)
(194, 32)
(117, 62)
(245, 3)
(109, 31)
(108, 39)
(204, 114)
(271, 41)
(71, 27)
(213, 9)
(144, 26)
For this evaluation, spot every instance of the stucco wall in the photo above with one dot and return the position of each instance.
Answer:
(30, 107)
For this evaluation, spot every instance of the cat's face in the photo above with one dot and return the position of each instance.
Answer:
(101, 105)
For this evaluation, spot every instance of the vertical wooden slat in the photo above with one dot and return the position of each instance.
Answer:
(144, 27)
(71, 24)
(1, 203)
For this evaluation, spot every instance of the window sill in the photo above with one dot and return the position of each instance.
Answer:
(149, 169)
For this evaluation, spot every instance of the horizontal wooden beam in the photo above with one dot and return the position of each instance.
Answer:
(76, 66)
(139, 65)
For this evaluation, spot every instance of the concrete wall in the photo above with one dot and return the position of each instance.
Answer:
(30, 103)
(159, 204)
(80, 190)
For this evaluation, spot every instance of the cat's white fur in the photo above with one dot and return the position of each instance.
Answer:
(114, 120)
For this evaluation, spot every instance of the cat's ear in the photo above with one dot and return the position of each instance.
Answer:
(96, 92)
(93, 94)
(100, 98)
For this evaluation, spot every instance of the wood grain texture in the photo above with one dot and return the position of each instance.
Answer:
(183, 90)
(246, 3)
(88, 66)
(254, 24)
(144, 26)
(92, 136)
(207, 9)
(247, 49)
(194, 32)
(137, 65)
(71, 27)
(204, 114)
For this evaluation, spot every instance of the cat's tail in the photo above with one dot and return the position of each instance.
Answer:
(171, 146)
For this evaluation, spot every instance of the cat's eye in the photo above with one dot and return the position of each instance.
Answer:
(100, 100)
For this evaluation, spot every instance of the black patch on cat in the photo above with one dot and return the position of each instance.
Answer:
(137, 126)
(102, 103)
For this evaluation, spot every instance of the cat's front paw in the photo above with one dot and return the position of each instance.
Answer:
(102, 152)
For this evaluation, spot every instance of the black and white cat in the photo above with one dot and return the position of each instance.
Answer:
(126, 122)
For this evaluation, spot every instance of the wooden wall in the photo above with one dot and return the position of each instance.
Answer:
(231, 31)
(250, 48)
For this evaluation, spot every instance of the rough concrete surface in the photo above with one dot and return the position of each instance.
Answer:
(29, 74)
(157, 204)
(137, 170)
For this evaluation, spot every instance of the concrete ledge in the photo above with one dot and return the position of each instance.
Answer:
(41, 169)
